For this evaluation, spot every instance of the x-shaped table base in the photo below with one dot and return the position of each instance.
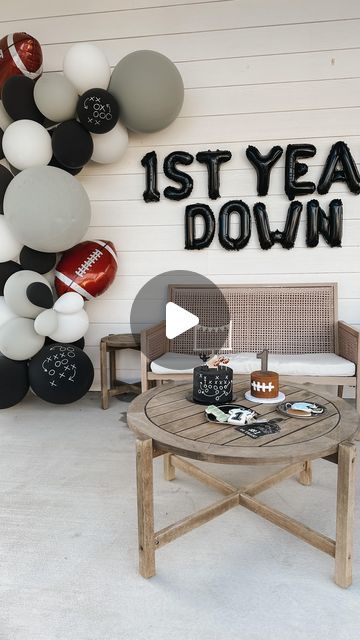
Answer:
(151, 540)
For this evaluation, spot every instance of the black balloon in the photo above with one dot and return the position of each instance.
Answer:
(192, 212)
(339, 154)
(242, 210)
(295, 169)
(149, 161)
(1, 147)
(171, 171)
(37, 260)
(263, 166)
(14, 381)
(330, 227)
(78, 343)
(213, 160)
(61, 373)
(40, 295)
(18, 99)
(55, 163)
(98, 110)
(72, 144)
(6, 270)
(286, 238)
(5, 179)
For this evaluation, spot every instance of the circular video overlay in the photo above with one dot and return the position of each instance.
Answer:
(186, 318)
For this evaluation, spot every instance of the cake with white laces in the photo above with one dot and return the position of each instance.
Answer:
(264, 383)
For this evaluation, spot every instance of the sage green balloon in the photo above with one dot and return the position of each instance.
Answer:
(149, 89)
(55, 97)
(47, 209)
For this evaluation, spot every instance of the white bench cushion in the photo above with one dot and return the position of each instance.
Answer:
(305, 364)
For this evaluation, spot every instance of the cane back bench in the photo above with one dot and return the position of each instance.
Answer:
(297, 323)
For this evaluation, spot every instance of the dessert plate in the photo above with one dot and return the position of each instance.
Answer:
(302, 410)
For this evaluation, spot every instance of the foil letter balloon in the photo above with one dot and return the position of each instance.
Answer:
(20, 54)
(89, 268)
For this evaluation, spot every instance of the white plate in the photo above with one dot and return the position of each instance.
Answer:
(279, 398)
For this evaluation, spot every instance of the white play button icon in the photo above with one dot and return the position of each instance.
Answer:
(178, 320)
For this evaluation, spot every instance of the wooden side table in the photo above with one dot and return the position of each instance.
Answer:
(109, 345)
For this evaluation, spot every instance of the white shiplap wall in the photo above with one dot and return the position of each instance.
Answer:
(255, 71)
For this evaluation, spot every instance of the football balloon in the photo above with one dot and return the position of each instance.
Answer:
(20, 54)
(89, 268)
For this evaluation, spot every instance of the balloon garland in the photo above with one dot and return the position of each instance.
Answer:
(50, 127)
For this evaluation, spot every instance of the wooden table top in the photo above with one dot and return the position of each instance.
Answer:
(178, 425)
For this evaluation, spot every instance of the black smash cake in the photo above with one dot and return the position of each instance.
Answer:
(213, 382)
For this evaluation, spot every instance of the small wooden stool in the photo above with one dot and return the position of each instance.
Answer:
(110, 344)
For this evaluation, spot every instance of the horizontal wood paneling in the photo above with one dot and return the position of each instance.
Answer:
(260, 73)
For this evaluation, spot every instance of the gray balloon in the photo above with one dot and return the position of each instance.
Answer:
(55, 97)
(19, 340)
(47, 209)
(149, 89)
(15, 293)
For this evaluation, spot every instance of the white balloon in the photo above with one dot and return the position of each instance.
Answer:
(110, 147)
(46, 322)
(71, 327)
(69, 302)
(15, 292)
(19, 340)
(5, 312)
(26, 144)
(86, 67)
(9, 245)
(5, 119)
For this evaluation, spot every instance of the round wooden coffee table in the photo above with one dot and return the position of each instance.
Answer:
(166, 422)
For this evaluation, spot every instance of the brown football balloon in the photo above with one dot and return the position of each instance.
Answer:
(20, 54)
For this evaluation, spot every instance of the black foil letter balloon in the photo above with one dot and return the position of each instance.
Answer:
(213, 160)
(263, 166)
(151, 193)
(287, 237)
(295, 169)
(242, 210)
(171, 171)
(193, 211)
(339, 153)
(330, 227)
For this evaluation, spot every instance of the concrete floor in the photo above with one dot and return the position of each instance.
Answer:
(69, 548)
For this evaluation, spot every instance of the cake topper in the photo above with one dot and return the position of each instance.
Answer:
(264, 356)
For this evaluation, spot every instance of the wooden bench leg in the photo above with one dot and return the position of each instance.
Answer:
(305, 475)
(169, 469)
(345, 513)
(145, 506)
(340, 390)
(103, 376)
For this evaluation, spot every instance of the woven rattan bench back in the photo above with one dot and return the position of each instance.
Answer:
(282, 318)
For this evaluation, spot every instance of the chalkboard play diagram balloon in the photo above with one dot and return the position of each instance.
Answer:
(98, 111)
(61, 373)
